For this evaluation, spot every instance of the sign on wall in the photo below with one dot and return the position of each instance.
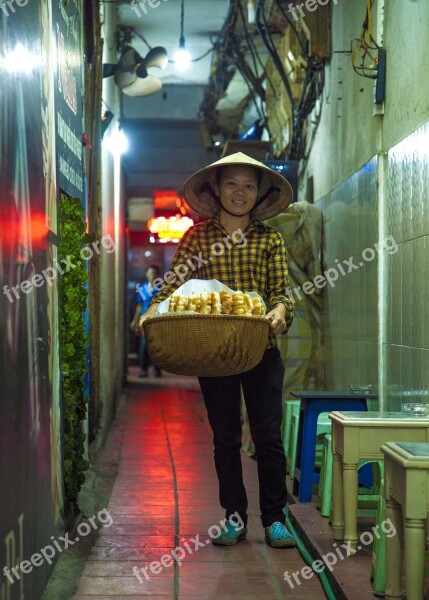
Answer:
(68, 96)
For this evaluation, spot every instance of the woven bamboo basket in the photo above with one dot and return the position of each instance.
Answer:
(206, 345)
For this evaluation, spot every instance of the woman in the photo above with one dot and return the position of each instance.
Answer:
(235, 194)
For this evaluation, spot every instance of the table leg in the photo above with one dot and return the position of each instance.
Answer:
(298, 456)
(350, 503)
(337, 497)
(414, 550)
(394, 551)
(308, 451)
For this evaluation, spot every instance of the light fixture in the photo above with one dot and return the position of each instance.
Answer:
(117, 142)
(182, 58)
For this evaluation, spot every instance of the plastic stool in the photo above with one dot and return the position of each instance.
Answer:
(290, 407)
(325, 482)
(373, 405)
(368, 498)
(291, 454)
(323, 427)
(378, 565)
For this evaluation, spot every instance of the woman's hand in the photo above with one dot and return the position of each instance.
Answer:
(151, 311)
(277, 319)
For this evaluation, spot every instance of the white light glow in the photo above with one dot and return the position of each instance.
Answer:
(182, 59)
(117, 142)
(20, 60)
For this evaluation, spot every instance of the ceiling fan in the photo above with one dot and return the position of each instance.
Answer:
(131, 72)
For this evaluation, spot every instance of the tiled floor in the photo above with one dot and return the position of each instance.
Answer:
(165, 497)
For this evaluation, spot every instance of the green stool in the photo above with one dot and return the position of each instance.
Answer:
(368, 498)
(378, 566)
(323, 428)
(372, 405)
(325, 482)
(291, 452)
(290, 407)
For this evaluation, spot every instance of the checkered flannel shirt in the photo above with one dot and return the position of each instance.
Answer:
(251, 261)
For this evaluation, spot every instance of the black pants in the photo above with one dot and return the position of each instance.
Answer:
(262, 388)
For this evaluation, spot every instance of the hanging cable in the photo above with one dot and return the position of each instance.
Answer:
(182, 24)
(366, 44)
(254, 52)
(294, 29)
(266, 38)
(245, 74)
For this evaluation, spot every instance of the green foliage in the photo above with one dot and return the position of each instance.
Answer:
(73, 345)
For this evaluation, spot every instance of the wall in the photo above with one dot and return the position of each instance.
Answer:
(112, 265)
(32, 98)
(370, 186)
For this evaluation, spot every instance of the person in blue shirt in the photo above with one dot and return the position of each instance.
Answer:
(144, 294)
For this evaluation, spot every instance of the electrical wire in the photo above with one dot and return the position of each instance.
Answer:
(294, 29)
(367, 44)
(269, 44)
(248, 82)
(141, 36)
(254, 52)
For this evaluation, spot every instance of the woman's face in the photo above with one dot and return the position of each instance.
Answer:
(238, 189)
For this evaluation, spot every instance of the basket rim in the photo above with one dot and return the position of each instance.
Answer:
(190, 317)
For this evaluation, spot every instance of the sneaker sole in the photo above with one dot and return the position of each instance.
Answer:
(232, 542)
(281, 543)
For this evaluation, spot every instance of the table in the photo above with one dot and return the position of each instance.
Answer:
(406, 486)
(357, 436)
(313, 403)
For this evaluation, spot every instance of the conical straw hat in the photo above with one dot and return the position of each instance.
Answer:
(275, 190)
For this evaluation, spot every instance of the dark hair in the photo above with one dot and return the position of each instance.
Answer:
(155, 267)
(220, 170)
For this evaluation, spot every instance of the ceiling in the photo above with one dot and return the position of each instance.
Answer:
(166, 143)
(161, 27)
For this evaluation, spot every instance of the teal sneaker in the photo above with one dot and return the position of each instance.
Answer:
(232, 534)
(277, 536)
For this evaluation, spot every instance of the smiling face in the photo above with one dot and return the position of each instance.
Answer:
(238, 189)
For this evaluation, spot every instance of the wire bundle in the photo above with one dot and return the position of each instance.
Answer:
(367, 45)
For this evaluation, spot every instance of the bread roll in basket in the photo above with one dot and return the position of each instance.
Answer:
(186, 342)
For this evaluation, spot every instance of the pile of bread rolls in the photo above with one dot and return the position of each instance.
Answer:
(218, 303)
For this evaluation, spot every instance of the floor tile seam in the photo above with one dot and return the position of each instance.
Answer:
(265, 557)
(176, 502)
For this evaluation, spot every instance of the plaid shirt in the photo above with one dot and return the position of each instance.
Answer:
(250, 261)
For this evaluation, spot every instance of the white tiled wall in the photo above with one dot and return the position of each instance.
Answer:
(351, 313)
(351, 329)
(408, 269)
